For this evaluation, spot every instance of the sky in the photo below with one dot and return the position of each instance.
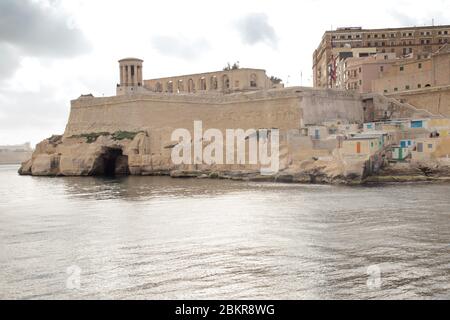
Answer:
(52, 51)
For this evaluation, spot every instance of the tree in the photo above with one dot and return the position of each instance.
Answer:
(229, 67)
(275, 80)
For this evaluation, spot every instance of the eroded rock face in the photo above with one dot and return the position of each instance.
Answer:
(432, 170)
(149, 153)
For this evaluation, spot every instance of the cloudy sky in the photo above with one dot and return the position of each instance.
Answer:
(52, 51)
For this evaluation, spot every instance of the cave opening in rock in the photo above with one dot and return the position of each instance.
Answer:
(112, 162)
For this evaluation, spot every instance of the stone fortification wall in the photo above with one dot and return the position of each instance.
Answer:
(280, 108)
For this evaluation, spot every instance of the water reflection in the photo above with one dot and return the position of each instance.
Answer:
(156, 237)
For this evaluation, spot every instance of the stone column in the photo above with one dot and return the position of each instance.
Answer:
(139, 75)
(129, 76)
(121, 75)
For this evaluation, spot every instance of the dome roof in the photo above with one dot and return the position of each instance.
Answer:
(131, 59)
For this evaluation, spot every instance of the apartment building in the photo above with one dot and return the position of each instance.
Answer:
(418, 42)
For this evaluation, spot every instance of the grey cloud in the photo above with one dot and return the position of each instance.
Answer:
(33, 29)
(16, 113)
(180, 47)
(9, 60)
(255, 28)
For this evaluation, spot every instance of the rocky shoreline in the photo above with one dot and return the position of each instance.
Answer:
(130, 154)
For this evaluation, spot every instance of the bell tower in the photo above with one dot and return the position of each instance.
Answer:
(130, 76)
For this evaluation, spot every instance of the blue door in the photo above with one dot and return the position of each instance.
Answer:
(417, 124)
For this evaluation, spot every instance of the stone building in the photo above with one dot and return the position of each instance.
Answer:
(419, 41)
(410, 74)
(226, 81)
(358, 73)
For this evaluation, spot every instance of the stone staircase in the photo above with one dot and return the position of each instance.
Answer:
(387, 108)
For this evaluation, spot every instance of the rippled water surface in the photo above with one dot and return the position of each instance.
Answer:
(162, 238)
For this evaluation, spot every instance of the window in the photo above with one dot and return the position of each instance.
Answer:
(419, 66)
(407, 87)
(180, 86)
(214, 83)
(253, 80)
(419, 86)
(419, 147)
(359, 70)
(385, 91)
(401, 68)
(381, 68)
(202, 83)
(430, 146)
(170, 86)
(385, 57)
(395, 89)
(191, 86)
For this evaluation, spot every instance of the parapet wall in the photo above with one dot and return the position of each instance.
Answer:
(288, 108)
(435, 100)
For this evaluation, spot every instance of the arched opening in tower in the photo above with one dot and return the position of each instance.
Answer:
(111, 162)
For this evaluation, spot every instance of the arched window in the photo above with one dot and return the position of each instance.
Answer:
(253, 80)
(170, 86)
(202, 83)
(214, 84)
(428, 85)
(225, 82)
(158, 87)
(180, 86)
(191, 86)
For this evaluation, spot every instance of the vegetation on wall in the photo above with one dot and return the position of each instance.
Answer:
(116, 136)
(229, 67)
